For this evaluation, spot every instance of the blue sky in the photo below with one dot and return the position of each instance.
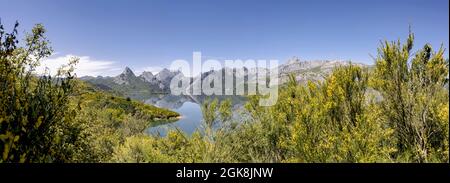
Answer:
(151, 34)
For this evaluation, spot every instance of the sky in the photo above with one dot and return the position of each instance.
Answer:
(148, 35)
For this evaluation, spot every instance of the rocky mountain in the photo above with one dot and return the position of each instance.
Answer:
(147, 76)
(309, 70)
(303, 70)
(130, 85)
(147, 84)
(127, 77)
(164, 77)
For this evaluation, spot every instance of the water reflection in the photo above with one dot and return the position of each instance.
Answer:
(190, 110)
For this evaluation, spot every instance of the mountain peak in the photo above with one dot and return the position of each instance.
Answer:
(147, 73)
(165, 76)
(293, 60)
(125, 77)
(128, 72)
(147, 76)
(165, 70)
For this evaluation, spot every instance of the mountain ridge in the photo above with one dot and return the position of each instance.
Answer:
(147, 83)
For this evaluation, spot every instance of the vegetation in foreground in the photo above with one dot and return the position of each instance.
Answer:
(396, 113)
(57, 118)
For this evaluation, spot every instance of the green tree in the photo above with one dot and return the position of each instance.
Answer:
(333, 121)
(33, 108)
(413, 96)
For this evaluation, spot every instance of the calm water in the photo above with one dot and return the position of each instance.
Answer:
(191, 117)
(189, 109)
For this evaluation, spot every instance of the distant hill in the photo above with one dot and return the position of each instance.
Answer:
(310, 70)
(130, 85)
(147, 84)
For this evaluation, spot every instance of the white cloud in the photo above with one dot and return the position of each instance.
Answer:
(86, 66)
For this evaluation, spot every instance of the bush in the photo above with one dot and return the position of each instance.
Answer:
(35, 111)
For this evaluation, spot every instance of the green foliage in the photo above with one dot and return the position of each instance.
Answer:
(33, 110)
(397, 112)
(47, 118)
(225, 110)
(414, 98)
(173, 148)
(320, 122)
(179, 147)
(323, 122)
(340, 119)
(106, 121)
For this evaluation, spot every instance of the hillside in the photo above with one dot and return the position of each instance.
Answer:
(90, 97)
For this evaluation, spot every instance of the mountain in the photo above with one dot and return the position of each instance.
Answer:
(147, 84)
(164, 77)
(303, 70)
(309, 70)
(147, 76)
(127, 77)
(126, 84)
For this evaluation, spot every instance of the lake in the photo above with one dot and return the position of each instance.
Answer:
(189, 109)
